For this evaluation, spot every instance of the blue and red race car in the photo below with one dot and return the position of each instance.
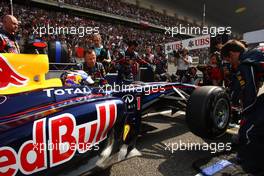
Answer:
(50, 129)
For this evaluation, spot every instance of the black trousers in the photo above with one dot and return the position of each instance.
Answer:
(181, 73)
(251, 138)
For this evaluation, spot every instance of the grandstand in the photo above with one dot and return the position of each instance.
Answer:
(117, 22)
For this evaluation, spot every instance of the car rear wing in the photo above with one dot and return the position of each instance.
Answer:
(24, 72)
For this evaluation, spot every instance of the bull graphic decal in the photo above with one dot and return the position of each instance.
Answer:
(8, 76)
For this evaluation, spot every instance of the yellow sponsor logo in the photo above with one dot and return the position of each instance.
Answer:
(126, 131)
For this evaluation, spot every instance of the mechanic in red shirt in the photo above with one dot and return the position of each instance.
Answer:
(8, 42)
(216, 75)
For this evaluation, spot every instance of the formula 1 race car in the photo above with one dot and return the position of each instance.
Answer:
(51, 129)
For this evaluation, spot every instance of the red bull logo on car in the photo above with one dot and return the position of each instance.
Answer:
(9, 76)
(65, 138)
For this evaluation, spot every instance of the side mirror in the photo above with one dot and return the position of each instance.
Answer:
(41, 45)
(36, 47)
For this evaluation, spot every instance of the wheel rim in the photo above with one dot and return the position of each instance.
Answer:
(221, 113)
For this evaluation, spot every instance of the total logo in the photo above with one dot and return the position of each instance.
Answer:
(69, 91)
(62, 129)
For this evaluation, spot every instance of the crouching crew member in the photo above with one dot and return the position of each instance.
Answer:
(244, 89)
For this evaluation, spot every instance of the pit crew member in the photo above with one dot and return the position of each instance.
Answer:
(101, 52)
(129, 65)
(161, 64)
(92, 67)
(8, 42)
(244, 88)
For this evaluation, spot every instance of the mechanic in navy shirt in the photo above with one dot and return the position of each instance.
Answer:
(160, 61)
(244, 90)
(161, 64)
(244, 82)
(129, 65)
(92, 67)
(8, 42)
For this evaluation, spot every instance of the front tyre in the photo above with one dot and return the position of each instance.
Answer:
(208, 112)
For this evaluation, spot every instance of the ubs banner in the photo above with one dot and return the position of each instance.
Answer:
(191, 44)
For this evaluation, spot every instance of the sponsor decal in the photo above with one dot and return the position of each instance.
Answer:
(138, 103)
(126, 131)
(67, 91)
(9, 76)
(129, 100)
(191, 44)
(62, 131)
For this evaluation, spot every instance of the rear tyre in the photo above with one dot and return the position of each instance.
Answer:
(208, 112)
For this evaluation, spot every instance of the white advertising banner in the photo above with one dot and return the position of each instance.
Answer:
(191, 44)
(254, 36)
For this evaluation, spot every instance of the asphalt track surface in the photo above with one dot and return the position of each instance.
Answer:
(159, 132)
(156, 160)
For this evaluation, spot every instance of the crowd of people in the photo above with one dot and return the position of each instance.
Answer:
(114, 37)
(128, 10)
(113, 34)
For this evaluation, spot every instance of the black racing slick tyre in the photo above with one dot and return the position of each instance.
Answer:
(208, 112)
